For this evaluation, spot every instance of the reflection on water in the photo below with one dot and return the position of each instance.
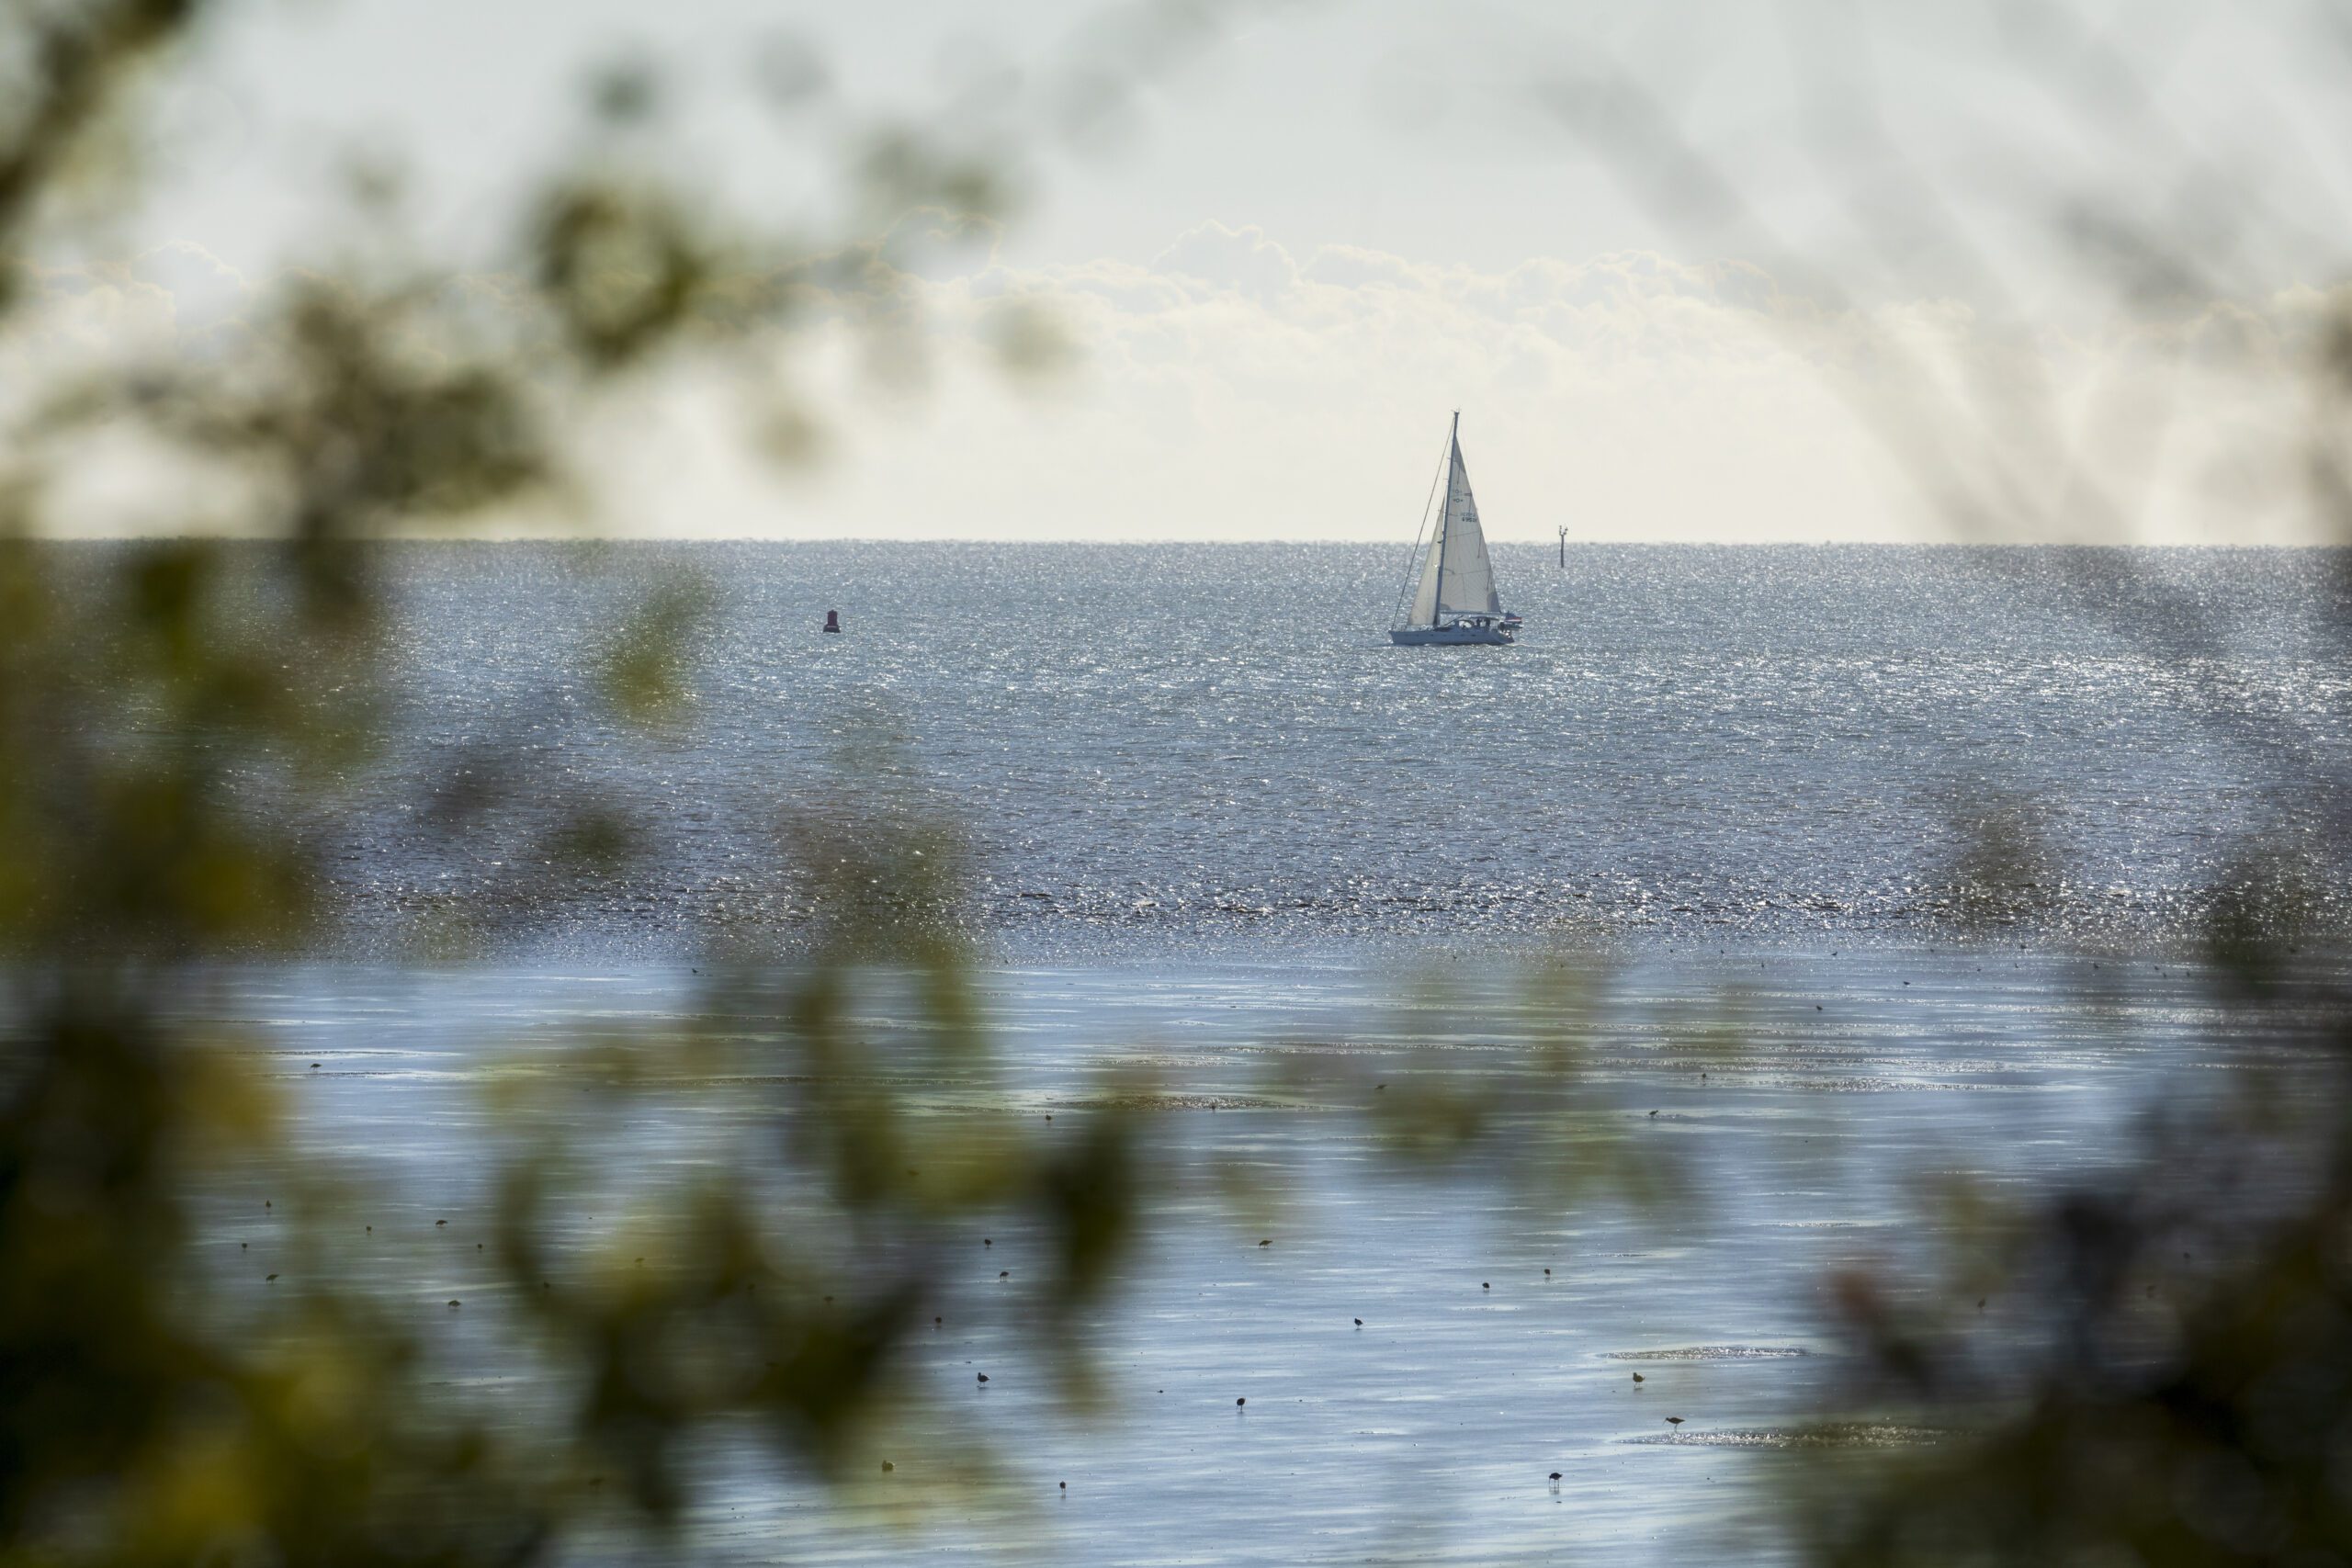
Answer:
(1417, 1355)
(1781, 742)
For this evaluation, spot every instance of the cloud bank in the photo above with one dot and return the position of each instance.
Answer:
(1230, 390)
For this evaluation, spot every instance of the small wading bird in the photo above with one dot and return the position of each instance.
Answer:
(983, 1377)
(1239, 1403)
(1674, 1420)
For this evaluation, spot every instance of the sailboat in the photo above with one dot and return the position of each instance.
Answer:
(1449, 599)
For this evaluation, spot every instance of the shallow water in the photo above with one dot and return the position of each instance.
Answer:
(1429, 1433)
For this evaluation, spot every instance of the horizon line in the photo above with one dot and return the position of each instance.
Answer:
(434, 538)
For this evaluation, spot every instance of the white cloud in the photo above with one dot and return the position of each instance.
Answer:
(1242, 260)
(1229, 389)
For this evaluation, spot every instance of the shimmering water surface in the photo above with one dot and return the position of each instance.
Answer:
(1215, 747)
(1216, 826)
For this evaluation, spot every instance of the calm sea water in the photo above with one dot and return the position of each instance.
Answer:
(1805, 1110)
(1209, 810)
(1215, 748)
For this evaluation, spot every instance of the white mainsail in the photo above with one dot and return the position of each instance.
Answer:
(1457, 577)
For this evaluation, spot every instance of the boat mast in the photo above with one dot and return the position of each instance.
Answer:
(1444, 518)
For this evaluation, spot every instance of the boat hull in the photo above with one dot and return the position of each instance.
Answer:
(1450, 637)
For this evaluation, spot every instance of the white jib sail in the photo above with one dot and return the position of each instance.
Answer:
(1457, 577)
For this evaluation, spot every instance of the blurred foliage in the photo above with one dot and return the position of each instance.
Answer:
(2153, 1367)
(179, 717)
(2157, 1368)
(175, 719)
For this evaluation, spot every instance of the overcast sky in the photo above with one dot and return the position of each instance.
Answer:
(1661, 254)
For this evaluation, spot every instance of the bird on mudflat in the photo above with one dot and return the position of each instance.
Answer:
(1242, 1400)
(1674, 1420)
(1359, 1323)
(1555, 1475)
(983, 1377)
(1268, 1242)
(1638, 1378)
